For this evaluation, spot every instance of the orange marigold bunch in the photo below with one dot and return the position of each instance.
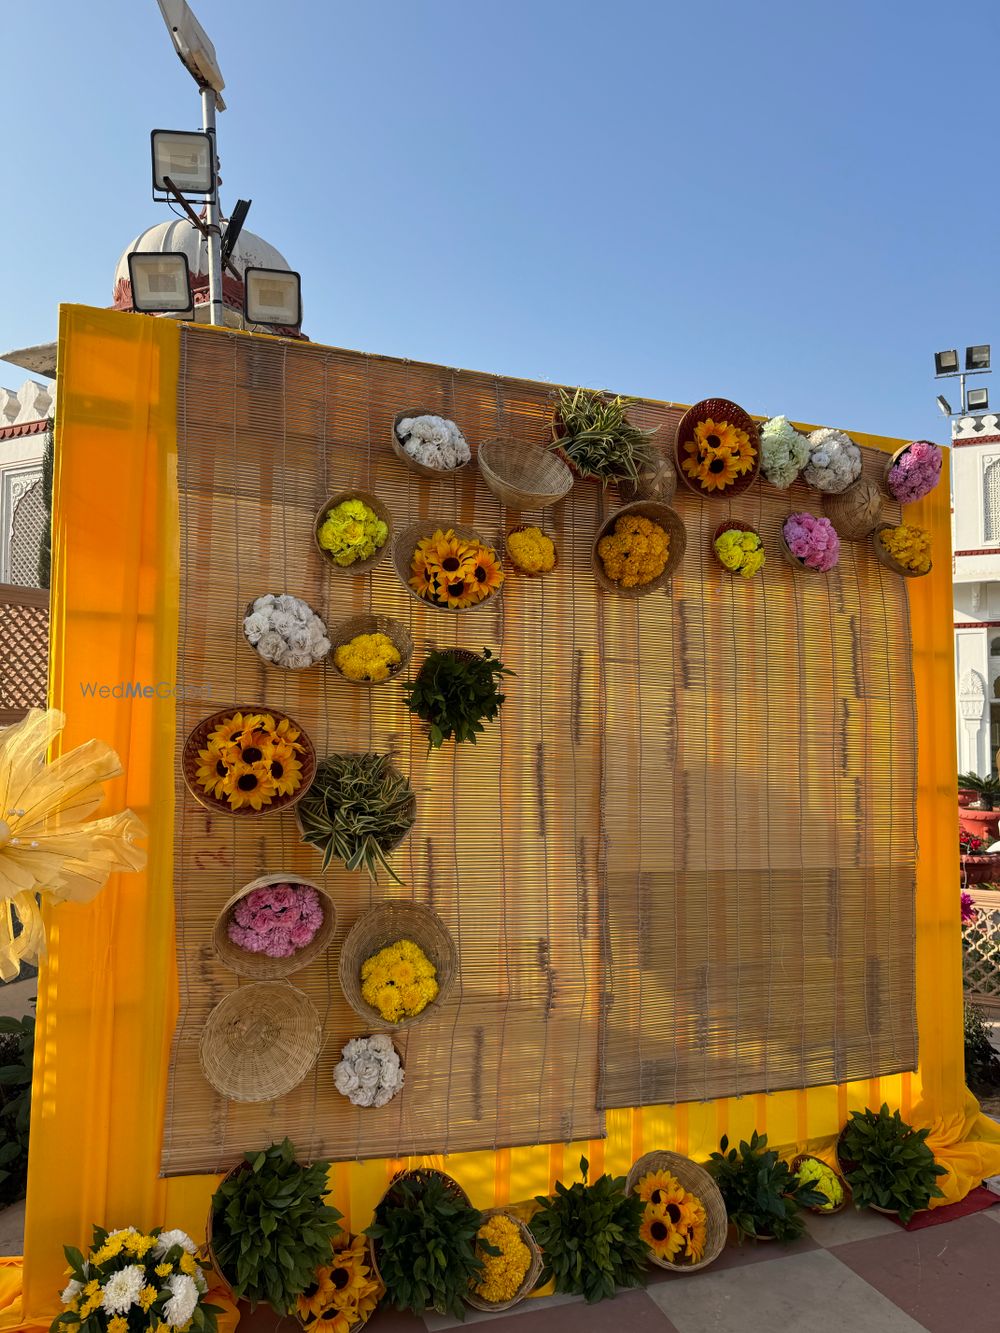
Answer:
(636, 552)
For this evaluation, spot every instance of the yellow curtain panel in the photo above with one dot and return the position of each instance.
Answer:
(108, 988)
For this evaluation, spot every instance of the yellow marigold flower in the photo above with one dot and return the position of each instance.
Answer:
(163, 1270)
(146, 1298)
(117, 1324)
(910, 546)
(532, 551)
(503, 1273)
(636, 552)
(398, 981)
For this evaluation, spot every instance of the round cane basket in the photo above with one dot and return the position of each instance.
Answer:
(435, 473)
(198, 739)
(389, 847)
(891, 464)
(530, 573)
(258, 965)
(420, 1175)
(695, 1179)
(794, 560)
(855, 513)
(531, 1277)
(890, 561)
(657, 481)
(380, 511)
(260, 1042)
(237, 1170)
(523, 476)
(402, 559)
(717, 409)
(838, 1208)
(669, 520)
(384, 924)
(731, 525)
(276, 665)
(387, 625)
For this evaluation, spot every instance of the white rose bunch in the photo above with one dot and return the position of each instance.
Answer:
(286, 631)
(834, 461)
(433, 441)
(784, 451)
(369, 1073)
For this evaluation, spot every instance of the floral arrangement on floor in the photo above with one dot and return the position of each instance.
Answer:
(909, 546)
(915, 472)
(286, 630)
(824, 1180)
(834, 461)
(399, 981)
(132, 1281)
(969, 912)
(505, 1262)
(455, 693)
(531, 551)
(740, 550)
(433, 441)
(812, 540)
(887, 1163)
(761, 1195)
(674, 1223)
(592, 431)
(451, 571)
(367, 657)
(352, 531)
(344, 1292)
(251, 759)
(357, 809)
(636, 552)
(718, 455)
(276, 919)
(784, 452)
(369, 1072)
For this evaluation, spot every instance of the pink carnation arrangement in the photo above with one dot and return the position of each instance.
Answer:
(916, 472)
(276, 920)
(812, 540)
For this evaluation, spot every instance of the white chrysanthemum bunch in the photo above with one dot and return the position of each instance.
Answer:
(286, 631)
(784, 452)
(834, 461)
(433, 441)
(369, 1073)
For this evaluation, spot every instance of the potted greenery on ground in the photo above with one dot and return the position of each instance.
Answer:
(887, 1164)
(592, 431)
(269, 1229)
(762, 1195)
(455, 692)
(589, 1236)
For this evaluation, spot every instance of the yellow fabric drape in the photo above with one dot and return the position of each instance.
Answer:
(107, 992)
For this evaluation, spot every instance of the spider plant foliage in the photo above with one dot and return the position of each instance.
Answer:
(593, 430)
(356, 810)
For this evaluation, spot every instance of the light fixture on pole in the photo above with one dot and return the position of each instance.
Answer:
(946, 363)
(161, 283)
(944, 405)
(979, 400)
(977, 357)
(977, 362)
(184, 159)
(272, 296)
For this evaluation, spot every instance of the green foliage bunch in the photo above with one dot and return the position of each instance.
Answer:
(356, 810)
(987, 789)
(593, 430)
(762, 1195)
(455, 694)
(982, 1066)
(887, 1163)
(17, 1050)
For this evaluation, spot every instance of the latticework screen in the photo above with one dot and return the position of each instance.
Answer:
(24, 650)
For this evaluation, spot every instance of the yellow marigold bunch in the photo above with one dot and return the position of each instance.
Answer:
(399, 981)
(636, 553)
(531, 551)
(367, 657)
(502, 1273)
(910, 546)
(451, 571)
(740, 551)
(250, 759)
(352, 531)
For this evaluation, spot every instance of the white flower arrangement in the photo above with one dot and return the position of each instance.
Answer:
(370, 1073)
(433, 441)
(834, 461)
(122, 1290)
(784, 451)
(286, 631)
(183, 1300)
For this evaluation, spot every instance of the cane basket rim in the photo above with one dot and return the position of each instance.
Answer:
(242, 1012)
(381, 925)
(842, 509)
(553, 478)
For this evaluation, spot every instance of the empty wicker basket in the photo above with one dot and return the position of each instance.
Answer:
(384, 924)
(260, 966)
(371, 624)
(856, 512)
(198, 739)
(377, 507)
(698, 1182)
(718, 410)
(531, 1277)
(523, 476)
(890, 561)
(669, 520)
(657, 481)
(402, 559)
(837, 1208)
(260, 1042)
(434, 473)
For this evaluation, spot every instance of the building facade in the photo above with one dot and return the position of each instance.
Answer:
(25, 422)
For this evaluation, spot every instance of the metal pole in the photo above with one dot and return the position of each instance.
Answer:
(961, 380)
(214, 214)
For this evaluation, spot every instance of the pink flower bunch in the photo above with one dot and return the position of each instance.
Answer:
(916, 472)
(969, 912)
(812, 540)
(276, 920)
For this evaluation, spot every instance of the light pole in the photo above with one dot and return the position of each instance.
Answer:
(977, 362)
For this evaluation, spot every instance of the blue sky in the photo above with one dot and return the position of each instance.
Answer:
(788, 204)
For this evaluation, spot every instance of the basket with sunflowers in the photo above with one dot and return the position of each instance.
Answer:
(248, 761)
(684, 1218)
(451, 568)
(718, 448)
(343, 1293)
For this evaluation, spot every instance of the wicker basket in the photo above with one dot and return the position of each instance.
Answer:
(260, 1041)
(258, 965)
(718, 409)
(421, 1174)
(402, 559)
(890, 561)
(697, 1180)
(197, 740)
(523, 476)
(384, 924)
(658, 481)
(838, 1208)
(315, 662)
(794, 560)
(372, 624)
(394, 844)
(435, 473)
(855, 513)
(530, 573)
(531, 1276)
(731, 525)
(213, 1258)
(380, 511)
(668, 519)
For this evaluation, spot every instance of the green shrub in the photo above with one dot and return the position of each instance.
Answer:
(982, 1065)
(887, 1163)
(761, 1194)
(17, 1051)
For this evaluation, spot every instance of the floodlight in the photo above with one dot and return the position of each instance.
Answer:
(186, 157)
(234, 227)
(192, 44)
(944, 405)
(272, 296)
(978, 357)
(978, 400)
(946, 363)
(161, 283)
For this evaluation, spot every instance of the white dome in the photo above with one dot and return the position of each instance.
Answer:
(180, 235)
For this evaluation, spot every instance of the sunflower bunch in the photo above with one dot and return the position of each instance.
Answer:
(674, 1223)
(718, 456)
(250, 759)
(399, 981)
(342, 1294)
(454, 572)
(909, 546)
(636, 552)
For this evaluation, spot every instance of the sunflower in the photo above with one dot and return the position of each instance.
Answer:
(317, 1296)
(332, 1320)
(658, 1233)
(487, 574)
(447, 551)
(659, 1187)
(250, 784)
(283, 764)
(458, 594)
(712, 437)
(714, 473)
(422, 579)
(695, 1246)
(232, 728)
(213, 770)
(348, 1276)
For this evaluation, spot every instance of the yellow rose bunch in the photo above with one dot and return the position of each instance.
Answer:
(502, 1273)
(636, 553)
(908, 545)
(352, 531)
(367, 657)
(740, 551)
(531, 551)
(399, 981)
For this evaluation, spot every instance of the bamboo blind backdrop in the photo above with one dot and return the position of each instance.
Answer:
(668, 876)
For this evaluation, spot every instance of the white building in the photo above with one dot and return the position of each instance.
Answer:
(25, 421)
